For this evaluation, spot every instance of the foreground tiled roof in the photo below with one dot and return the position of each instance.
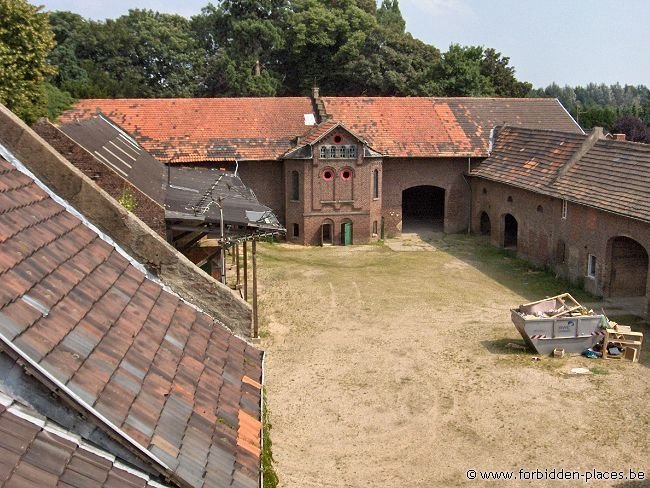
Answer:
(613, 176)
(216, 129)
(206, 129)
(421, 127)
(35, 451)
(163, 378)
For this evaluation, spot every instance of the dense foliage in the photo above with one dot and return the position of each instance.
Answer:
(25, 41)
(624, 109)
(266, 48)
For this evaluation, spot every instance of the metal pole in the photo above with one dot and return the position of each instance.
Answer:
(255, 322)
(245, 272)
(223, 248)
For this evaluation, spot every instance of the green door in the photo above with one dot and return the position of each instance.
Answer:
(346, 233)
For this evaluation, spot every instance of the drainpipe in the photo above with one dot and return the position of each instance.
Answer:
(469, 187)
(263, 420)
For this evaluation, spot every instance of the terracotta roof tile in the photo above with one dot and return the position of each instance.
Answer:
(36, 452)
(430, 127)
(211, 129)
(613, 176)
(164, 373)
(224, 129)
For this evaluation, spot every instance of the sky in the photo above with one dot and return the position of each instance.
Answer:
(570, 42)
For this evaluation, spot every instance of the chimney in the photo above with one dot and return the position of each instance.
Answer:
(319, 106)
(619, 137)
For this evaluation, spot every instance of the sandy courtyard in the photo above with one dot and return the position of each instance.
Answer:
(391, 369)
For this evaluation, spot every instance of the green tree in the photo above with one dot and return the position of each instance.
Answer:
(494, 66)
(322, 38)
(241, 40)
(390, 16)
(25, 41)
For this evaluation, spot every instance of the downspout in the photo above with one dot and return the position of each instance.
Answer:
(469, 186)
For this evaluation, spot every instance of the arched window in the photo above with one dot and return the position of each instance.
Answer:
(375, 183)
(332, 151)
(295, 185)
(540, 209)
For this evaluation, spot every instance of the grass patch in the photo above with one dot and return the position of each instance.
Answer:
(268, 471)
(519, 275)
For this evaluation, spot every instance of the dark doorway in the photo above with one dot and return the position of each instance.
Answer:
(423, 207)
(629, 268)
(485, 226)
(510, 229)
(327, 234)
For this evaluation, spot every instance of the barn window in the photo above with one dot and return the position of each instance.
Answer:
(560, 252)
(484, 191)
(565, 206)
(375, 184)
(323, 152)
(346, 174)
(374, 228)
(332, 151)
(352, 151)
(295, 185)
(342, 151)
(328, 175)
(509, 199)
(540, 209)
(296, 230)
(338, 139)
(591, 266)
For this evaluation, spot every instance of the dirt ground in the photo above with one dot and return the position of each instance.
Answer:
(391, 368)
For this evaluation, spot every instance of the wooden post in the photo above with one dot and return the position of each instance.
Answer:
(237, 265)
(256, 329)
(245, 271)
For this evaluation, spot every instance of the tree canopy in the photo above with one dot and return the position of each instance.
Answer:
(25, 41)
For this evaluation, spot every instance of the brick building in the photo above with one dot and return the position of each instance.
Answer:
(336, 170)
(577, 204)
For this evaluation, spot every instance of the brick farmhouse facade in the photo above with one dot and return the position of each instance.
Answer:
(336, 170)
(574, 203)
(341, 170)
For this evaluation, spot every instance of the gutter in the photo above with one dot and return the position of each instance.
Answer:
(263, 420)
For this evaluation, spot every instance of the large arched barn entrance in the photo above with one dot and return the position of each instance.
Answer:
(423, 207)
(628, 268)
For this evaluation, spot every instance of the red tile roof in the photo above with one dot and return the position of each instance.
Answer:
(430, 127)
(173, 382)
(210, 129)
(34, 451)
(613, 176)
(528, 158)
(217, 129)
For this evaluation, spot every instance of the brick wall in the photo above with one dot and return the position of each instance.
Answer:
(146, 209)
(266, 179)
(336, 201)
(561, 244)
(400, 174)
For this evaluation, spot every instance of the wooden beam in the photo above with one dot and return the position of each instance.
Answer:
(238, 282)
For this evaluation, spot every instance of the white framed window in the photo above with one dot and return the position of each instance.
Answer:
(342, 151)
(565, 206)
(323, 152)
(352, 151)
(591, 266)
(332, 151)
